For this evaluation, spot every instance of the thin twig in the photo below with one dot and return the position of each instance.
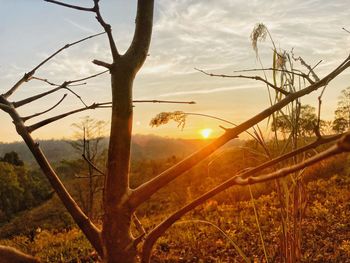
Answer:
(245, 77)
(293, 72)
(108, 30)
(302, 62)
(92, 164)
(28, 75)
(91, 9)
(346, 30)
(61, 116)
(55, 84)
(64, 85)
(24, 119)
(86, 78)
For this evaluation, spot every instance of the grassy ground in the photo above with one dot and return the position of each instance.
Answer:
(325, 231)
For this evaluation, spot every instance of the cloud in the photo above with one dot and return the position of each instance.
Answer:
(207, 91)
(79, 26)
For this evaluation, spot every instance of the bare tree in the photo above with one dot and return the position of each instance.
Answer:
(114, 241)
(89, 135)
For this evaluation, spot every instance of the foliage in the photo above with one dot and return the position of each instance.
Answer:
(341, 121)
(20, 189)
(12, 158)
(325, 228)
(305, 125)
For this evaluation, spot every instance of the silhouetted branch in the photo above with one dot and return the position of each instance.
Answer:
(96, 10)
(294, 71)
(245, 77)
(108, 29)
(152, 237)
(102, 63)
(302, 62)
(28, 75)
(24, 119)
(91, 9)
(346, 30)
(5, 107)
(64, 85)
(54, 84)
(45, 80)
(61, 116)
(36, 97)
(92, 164)
(144, 191)
(86, 78)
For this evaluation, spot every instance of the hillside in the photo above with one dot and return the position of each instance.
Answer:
(143, 146)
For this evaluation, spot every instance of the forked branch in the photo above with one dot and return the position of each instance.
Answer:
(61, 116)
(95, 9)
(65, 85)
(24, 119)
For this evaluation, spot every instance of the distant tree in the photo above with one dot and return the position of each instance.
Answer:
(304, 122)
(341, 121)
(11, 192)
(12, 158)
(88, 136)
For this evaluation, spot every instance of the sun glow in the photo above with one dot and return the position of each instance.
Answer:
(206, 133)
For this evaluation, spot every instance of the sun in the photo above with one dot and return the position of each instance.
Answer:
(206, 133)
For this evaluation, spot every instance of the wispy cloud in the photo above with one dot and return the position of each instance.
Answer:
(206, 91)
(79, 26)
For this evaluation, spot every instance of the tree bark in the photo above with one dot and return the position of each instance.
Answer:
(116, 235)
(118, 242)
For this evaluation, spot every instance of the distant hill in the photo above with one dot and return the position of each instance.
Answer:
(143, 147)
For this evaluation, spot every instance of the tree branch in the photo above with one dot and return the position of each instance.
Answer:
(245, 77)
(152, 237)
(24, 119)
(301, 74)
(64, 85)
(28, 75)
(92, 165)
(108, 30)
(146, 190)
(102, 64)
(89, 229)
(346, 30)
(138, 50)
(71, 6)
(61, 116)
(302, 62)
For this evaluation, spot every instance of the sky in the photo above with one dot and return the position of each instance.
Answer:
(187, 34)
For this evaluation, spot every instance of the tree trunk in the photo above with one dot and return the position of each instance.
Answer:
(116, 237)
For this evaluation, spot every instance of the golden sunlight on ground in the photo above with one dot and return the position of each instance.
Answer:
(206, 133)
